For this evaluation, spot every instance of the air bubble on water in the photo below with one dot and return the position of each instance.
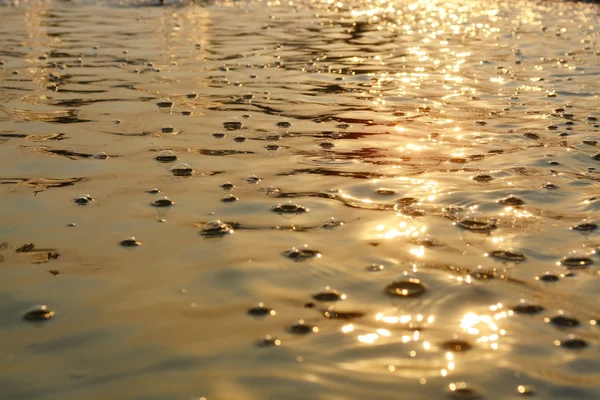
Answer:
(253, 179)
(100, 156)
(232, 124)
(167, 129)
(83, 199)
(182, 169)
(165, 103)
(215, 228)
(130, 242)
(166, 156)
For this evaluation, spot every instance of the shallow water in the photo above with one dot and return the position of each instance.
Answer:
(418, 185)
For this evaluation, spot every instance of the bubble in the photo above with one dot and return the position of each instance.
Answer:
(327, 145)
(302, 254)
(596, 156)
(229, 198)
(375, 267)
(274, 136)
(332, 223)
(482, 274)
(268, 341)
(166, 156)
(552, 127)
(511, 201)
(227, 186)
(343, 125)
(83, 199)
(328, 295)
(253, 179)
(100, 156)
(272, 147)
(477, 224)
(283, 123)
(385, 191)
(289, 208)
(248, 96)
(153, 191)
(573, 344)
(215, 228)
(165, 103)
(219, 134)
(239, 139)
(407, 286)
(186, 113)
(561, 320)
(461, 391)
(260, 310)
(162, 202)
(576, 262)
(343, 315)
(167, 129)
(301, 328)
(508, 255)
(550, 186)
(525, 390)
(456, 345)
(38, 313)
(232, 124)
(130, 242)
(547, 277)
(531, 135)
(526, 308)
(410, 211)
(585, 227)
(406, 201)
(192, 95)
(182, 169)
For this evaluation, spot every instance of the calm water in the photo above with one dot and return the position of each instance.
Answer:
(413, 196)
